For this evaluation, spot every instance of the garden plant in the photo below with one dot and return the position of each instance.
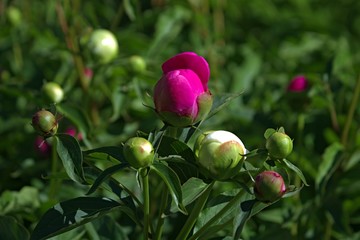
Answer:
(179, 119)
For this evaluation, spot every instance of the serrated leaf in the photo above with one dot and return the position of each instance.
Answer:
(296, 170)
(11, 229)
(172, 182)
(105, 175)
(269, 132)
(72, 213)
(69, 151)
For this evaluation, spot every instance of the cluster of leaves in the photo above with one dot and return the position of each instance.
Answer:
(254, 47)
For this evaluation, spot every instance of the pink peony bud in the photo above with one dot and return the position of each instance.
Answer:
(269, 186)
(42, 146)
(88, 73)
(298, 84)
(181, 96)
(73, 132)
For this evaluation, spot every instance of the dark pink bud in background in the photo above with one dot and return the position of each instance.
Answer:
(42, 146)
(298, 84)
(73, 132)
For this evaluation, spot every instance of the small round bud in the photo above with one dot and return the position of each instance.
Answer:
(279, 145)
(137, 64)
(45, 123)
(219, 154)
(269, 186)
(103, 45)
(139, 152)
(53, 92)
(14, 16)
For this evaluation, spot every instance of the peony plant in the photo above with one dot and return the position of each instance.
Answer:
(177, 181)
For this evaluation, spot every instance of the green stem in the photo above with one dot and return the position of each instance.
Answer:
(54, 183)
(332, 109)
(161, 219)
(350, 115)
(224, 210)
(145, 182)
(199, 205)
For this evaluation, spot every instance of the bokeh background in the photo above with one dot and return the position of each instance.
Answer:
(253, 47)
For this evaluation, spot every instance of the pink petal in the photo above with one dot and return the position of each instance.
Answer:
(189, 60)
(177, 92)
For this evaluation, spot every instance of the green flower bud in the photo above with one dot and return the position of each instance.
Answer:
(14, 16)
(279, 145)
(219, 154)
(103, 45)
(53, 92)
(45, 123)
(269, 186)
(139, 152)
(137, 64)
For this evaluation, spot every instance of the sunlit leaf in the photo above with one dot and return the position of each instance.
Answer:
(70, 153)
(113, 151)
(105, 175)
(296, 170)
(191, 190)
(72, 213)
(172, 182)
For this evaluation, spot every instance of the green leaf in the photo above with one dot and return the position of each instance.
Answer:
(70, 153)
(221, 101)
(182, 168)
(11, 229)
(172, 182)
(296, 170)
(191, 190)
(172, 146)
(112, 151)
(241, 218)
(215, 206)
(269, 132)
(328, 161)
(76, 115)
(281, 130)
(129, 10)
(72, 213)
(105, 175)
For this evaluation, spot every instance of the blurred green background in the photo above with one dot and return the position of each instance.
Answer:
(253, 47)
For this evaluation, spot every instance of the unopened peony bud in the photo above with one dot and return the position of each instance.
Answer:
(279, 145)
(219, 154)
(298, 84)
(269, 186)
(45, 123)
(139, 152)
(53, 92)
(181, 96)
(103, 45)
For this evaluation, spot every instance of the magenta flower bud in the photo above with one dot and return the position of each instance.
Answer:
(42, 146)
(73, 132)
(298, 84)
(181, 96)
(219, 154)
(269, 186)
